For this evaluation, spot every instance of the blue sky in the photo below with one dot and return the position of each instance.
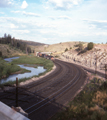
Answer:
(54, 21)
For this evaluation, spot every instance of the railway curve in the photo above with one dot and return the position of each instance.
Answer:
(45, 97)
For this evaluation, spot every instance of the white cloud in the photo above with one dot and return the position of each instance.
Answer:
(24, 5)
(1, 12)
(64, 17)
(64, 4)
(13, 26)
(16, 11)
(16, 23)
(55, 25)
(30, 14)
(27, 13)
(102, 33)
(21, 31)
(52, 17)
(60, 17)
(46, 7)
(6, 3)
(101, 24)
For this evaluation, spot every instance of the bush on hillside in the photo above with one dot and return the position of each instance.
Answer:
(90, 45)
(8, 51)
(66, 49)
(0, 54)
(80, 46)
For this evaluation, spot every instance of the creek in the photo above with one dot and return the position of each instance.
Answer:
(34, 71)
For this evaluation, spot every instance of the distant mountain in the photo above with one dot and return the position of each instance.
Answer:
(60, 47)
(33, 43)
(57, 48)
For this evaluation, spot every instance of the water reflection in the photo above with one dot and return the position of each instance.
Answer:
(34, 71)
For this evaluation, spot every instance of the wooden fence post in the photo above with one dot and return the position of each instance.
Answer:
(16, 92)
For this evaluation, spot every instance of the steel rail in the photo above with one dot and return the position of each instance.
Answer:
(55, 92)
(2, 96)
(35, 93)
(44, 80)
(54, 97)
(31, 87)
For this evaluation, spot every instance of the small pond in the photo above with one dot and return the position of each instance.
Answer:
(34, 71)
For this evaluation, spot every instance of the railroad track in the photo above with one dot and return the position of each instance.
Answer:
(52, 92)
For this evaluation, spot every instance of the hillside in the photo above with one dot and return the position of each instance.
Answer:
(8, 51)
(56, 48)
(88, 58)
(97, 57)
(32, 43)
(35, 46)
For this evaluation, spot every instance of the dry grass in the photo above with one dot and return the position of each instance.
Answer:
(8, 51)
(57, 48)
(87, 105)
(97, 109)
(100, 98)
(61, 46)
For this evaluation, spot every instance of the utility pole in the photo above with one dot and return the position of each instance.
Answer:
(105, 72)
(16, 92)
(96, 65)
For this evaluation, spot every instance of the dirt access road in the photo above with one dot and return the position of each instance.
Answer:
(43, 98)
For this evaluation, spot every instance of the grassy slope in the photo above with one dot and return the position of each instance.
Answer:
(89, 104)
(58, 48)
(32, 43)
(9, 51)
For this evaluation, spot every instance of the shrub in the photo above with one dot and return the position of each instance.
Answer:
(66, 49)
(0, 54)
(8, 51)
(80, 46)
(90, 45)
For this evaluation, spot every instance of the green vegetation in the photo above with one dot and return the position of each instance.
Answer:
(7, 51)
(59, 48)
(80, 45)
(89, 104)
(66, 49)
(90, 45)
(8, 68)
(0, 54)
(7, 39)
(34, 60)
(56, 56)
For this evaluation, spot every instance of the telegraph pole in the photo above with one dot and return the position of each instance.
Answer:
(16, 92)
(96, 65)
(105, 72)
